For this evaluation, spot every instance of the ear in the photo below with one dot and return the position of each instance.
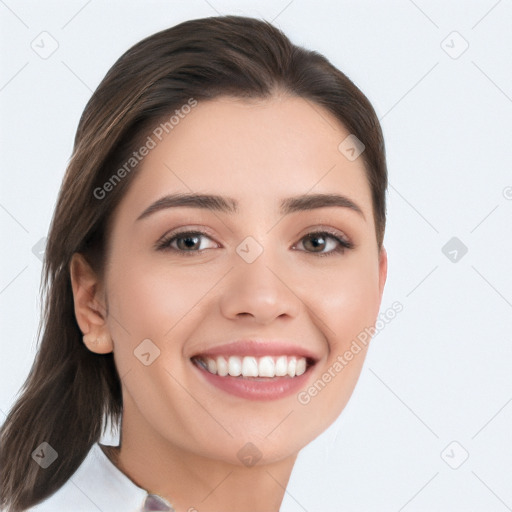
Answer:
(383, 270)
(89, 305)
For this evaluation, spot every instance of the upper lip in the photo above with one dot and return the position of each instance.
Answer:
(259, 348)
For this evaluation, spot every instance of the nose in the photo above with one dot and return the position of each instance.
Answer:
(260, 292)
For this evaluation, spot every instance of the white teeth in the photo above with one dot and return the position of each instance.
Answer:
(266, 367)
(292, 365)
(235, 366)
(250, 366)
(281, 366)
(301, 366)
(212, 365)
(222, 367)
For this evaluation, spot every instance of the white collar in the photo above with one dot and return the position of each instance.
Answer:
(98, 485)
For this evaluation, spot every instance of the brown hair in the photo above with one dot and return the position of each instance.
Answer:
(71, 392)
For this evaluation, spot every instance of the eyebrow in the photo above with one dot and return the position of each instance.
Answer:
(229, 205)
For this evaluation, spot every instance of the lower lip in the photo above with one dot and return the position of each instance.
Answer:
(265, 388)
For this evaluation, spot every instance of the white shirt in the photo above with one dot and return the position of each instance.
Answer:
(99, 486)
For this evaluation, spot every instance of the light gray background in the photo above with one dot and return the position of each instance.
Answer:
(440, 371)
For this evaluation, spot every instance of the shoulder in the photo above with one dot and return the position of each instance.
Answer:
(96, 485)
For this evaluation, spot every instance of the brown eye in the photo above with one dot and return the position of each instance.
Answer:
(185, 242)
(317, 243)
(188, 242)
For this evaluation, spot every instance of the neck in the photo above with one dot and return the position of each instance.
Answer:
(205, 485)
(195, 483)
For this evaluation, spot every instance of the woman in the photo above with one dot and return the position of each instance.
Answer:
(215, 254)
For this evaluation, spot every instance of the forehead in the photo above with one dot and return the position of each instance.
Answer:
(257, 151)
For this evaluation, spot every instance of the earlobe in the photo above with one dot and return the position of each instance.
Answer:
(101, 344)
(89, 312)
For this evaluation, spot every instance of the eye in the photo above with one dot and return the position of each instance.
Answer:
(324, 243)
(185, 242)
(319, 243)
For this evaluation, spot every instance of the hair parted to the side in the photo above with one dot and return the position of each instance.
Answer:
(71, 392)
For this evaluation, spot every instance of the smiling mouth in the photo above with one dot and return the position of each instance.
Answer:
(246, 367)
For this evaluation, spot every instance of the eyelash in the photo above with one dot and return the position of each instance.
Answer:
(165, 243)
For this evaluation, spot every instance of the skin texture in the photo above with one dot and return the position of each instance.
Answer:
(180, 435)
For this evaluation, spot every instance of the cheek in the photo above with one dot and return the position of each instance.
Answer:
(151, 299)
(346, 302)
(347, 305)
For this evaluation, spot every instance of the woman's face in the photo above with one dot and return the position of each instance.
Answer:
(252, 289)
